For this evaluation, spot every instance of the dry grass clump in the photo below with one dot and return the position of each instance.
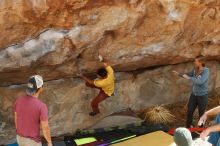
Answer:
(158, 115)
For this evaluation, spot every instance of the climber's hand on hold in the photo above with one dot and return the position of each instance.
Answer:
(100, 55)
(85, 78)
(100, 58)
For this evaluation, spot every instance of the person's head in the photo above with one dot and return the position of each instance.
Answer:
(183, 137)
(102, 73)
(35, 85)
(199, 61)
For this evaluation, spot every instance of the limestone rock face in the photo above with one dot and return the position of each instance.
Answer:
(144, 40)
(68, 100)
(58, 38)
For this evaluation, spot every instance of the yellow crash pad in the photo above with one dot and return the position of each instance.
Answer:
(158, 138)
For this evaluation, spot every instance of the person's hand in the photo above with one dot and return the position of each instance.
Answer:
(100, 58)
(186, 76)
(204, 134)
(202, 120)
(100, 55)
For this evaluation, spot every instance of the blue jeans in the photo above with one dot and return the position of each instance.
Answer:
(214, 138)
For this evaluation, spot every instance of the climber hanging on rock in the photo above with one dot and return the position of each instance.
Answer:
(104, 82)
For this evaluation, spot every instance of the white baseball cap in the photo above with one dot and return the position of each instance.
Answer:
(35, 82)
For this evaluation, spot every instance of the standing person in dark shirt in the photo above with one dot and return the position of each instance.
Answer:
(30, 114)
(199, 77)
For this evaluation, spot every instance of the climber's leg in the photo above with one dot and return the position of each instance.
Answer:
(95, 102)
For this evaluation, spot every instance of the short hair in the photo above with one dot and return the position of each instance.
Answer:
(33, 92)
(102, 72)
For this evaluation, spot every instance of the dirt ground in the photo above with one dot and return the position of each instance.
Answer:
(179, 111)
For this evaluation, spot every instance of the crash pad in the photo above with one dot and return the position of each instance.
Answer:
(117, 119)
(84, 140)
(158, 138)
(13, 144)
(172, 130)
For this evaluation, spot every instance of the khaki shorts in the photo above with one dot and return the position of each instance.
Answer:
(22, 141)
